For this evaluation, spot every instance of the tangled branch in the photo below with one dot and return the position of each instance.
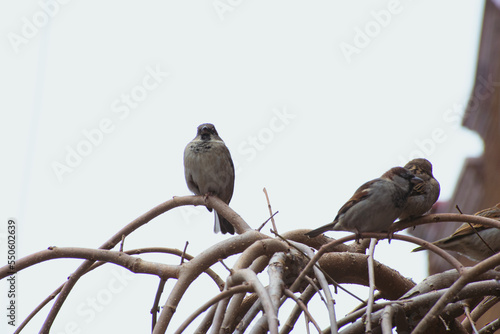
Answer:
(298, 268)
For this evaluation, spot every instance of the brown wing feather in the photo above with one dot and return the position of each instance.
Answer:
(360, 194)
(493, 212)
(466, 229)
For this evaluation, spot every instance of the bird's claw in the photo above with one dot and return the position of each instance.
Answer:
(390, 235)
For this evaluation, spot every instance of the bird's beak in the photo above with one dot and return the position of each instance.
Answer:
(416, 180)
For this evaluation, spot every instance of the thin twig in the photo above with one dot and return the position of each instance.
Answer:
(235, 305)
(122, 243)
(205, 324)
(387, 316)
(351, 317)
(477, 233)
(268, 219)
(303, 307)
(184, 251)
(330, 302)
(225, 266)
(467, 314)
(305, 297)
(377, 296)
(451, 292)
(38, 308)
(222, 295)
(248, 317)
(491, 327)
(156, 309)
(336, 285)
(482, 308)
(270, 210)
(325, 248)
(417, 306)
(220, 310)
(316, 287)
(247, 275)
(371, 280)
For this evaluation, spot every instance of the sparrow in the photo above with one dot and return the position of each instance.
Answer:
(424, 194)
(466, 241)
(375, 205)
(209, 170)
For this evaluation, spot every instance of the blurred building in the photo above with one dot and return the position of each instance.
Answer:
(478, 186)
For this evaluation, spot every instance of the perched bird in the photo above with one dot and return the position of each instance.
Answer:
(467, 242)
(424, 194)
(375, 205)
(209, 170)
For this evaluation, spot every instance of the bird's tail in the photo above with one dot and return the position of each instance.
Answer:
(322, 229)
(222, 225)
(418, 249)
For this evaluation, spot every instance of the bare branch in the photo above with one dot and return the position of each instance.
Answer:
(467, 314)
(109, 244)
(165, 250)
(205, 324)
(468, 276)
(224, 294)
(418, 305)
(371, 280)
(191, 270)
(421, 306)
(38, 309)
(444, 217)
(327, 248)
(275, 270)
(481, 309)
(318, 272)
(236, 310)
(387, 316)
(155, 309)
(131, 263)
(308, 293)
(247, 275)
(491, 328)
(240, 226)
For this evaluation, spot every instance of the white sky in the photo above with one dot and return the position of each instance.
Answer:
(301, 117)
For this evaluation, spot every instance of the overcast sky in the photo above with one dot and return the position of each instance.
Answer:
(312, 99)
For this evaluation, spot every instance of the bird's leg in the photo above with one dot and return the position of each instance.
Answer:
(210, 193)
(390, 235)
(205, 199)
(358, 236)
